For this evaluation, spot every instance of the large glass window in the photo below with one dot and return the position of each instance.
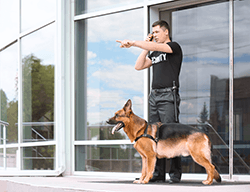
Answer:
(87, 6)
(9, 92)
(241, 88)
(38, 68)
(203, 34)
(35, 13)
(105, 74)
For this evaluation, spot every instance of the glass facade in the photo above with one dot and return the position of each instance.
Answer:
(61, 57)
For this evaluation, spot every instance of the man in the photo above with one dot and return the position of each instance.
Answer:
(166, 60)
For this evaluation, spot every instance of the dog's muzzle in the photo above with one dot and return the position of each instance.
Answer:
(117, 127)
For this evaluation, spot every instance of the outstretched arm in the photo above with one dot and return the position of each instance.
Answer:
(146, 45)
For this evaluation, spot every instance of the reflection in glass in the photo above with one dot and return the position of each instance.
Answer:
(34, 13)
(203, 33)
(241, 88)
(9, 91)
(38, 158)
(108, 158)
(38, 85)
(107, 72)
(12, 155)
(8, 21)
(87, 6)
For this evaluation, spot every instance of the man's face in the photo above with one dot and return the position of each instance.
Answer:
(160, 34)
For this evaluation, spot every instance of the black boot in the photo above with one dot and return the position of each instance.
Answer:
(159, 174)
(175, 170)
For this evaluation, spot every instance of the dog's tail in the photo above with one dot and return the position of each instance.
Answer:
(217, 176)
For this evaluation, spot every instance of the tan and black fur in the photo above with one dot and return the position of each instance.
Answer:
(175, 139)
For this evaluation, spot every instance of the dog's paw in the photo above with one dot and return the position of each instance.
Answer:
(137, 181)
(206, 182)
(144, 182)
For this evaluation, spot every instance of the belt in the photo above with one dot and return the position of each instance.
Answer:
(163, 90)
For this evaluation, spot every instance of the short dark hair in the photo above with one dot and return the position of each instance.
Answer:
(162, 23)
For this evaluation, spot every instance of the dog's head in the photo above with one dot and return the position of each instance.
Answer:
(121, 118)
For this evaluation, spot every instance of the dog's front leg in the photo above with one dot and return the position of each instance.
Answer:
(146, 148)
(143, 172)
(150, 161)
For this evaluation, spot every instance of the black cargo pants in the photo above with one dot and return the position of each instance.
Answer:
(161, 109)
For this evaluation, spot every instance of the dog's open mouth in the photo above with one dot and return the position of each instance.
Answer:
(117, 127)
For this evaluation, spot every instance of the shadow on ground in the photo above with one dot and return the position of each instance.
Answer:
(182, 183)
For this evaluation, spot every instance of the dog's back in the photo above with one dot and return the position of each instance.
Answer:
(176, 130)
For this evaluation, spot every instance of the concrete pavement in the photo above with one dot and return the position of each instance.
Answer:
(113, 184)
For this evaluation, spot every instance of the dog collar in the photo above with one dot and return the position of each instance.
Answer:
(147, 135)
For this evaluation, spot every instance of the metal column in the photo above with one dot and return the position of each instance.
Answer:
(231, 76)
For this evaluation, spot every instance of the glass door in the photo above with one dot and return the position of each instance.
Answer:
(203, 33)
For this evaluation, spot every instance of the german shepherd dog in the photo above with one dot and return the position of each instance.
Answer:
(173, 140)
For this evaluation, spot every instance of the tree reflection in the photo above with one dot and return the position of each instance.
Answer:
(38, 90)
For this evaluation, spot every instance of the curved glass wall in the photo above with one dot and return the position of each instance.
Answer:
(27, 67)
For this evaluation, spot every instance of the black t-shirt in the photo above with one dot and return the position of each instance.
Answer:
(166, 67)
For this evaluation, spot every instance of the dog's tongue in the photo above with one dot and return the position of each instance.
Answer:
(116, 127)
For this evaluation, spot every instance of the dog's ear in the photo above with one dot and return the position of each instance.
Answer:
(127, 106)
